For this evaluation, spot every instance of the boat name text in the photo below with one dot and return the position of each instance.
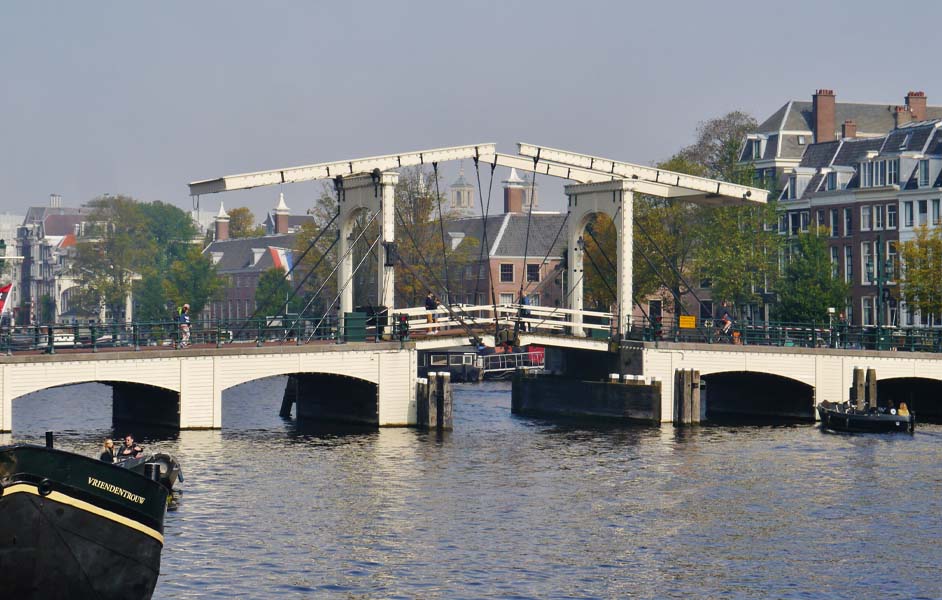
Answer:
(110, 487)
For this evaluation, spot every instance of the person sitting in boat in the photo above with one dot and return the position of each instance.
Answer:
(130, 449)
(108, 455)
(903, 410)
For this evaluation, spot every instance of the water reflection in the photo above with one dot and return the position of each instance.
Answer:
(512, 507)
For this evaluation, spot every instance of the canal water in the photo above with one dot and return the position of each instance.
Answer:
(508, 507)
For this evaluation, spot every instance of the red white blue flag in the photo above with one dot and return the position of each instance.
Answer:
(4, 292)
(282, 258)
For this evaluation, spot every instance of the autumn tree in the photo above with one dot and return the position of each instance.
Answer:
(920, 282)
(242, 224)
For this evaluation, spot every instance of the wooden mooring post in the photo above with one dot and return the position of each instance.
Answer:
(433, 402)
(871, 390)
(686, 397)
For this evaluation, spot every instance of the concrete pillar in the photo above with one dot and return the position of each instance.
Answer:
(574, 275)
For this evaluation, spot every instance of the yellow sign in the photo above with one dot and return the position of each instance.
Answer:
(688, 322)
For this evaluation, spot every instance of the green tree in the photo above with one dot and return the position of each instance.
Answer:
(717, 147)
(194, 281)
(273, 293)
(807, 288)
(116, 246)
(920, 281)
(325, 207)
(172, 230)
(242, 224)
(150, 298)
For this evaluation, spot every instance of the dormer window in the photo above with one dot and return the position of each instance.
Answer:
(801, 140)
(892, 176)
(756, 149)
(923, 173)
(905, 143)
(832, 181)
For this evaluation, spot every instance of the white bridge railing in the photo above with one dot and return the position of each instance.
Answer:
(532, 318)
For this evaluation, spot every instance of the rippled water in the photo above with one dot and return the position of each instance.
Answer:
(508, 507)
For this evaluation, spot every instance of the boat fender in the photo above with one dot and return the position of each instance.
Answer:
(2, 487)
(45, 487)
(893, 412)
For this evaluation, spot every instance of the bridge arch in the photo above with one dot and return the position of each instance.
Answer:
(756, 396)
(923, 395)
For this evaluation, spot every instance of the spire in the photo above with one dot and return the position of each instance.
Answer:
(222, 212)
(514, 178)
(282, 207)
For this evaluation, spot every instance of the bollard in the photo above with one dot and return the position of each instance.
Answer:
(152, 471)
(49, 439)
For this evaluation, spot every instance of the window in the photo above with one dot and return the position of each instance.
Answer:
(891, 216)
(706, 309)
(923, 173)
(893, 172)
(832, 181)
(506, 273)
(923, 212)
(794, 223)
(533, 272)
(534, 299)
(805, 217)
(506, 298)
(908, 214)
(792, 187)
(820, 221)
(756, 149)
(935, 211)
(878, 216)
(866, 260)
(782, 223)
(801, 140)
(848, 264)
(835, 263)
(848, 221)
(866, 223)
(835, 222)
(891, 256)
(868, 311)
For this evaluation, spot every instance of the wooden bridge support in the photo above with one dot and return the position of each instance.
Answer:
(434, 403)
(863, 391)
(686, 397)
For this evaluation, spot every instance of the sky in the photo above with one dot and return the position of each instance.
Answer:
(141, 98)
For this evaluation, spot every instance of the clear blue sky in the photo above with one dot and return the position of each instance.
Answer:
(140, 98)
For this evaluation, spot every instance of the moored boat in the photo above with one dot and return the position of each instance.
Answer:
(845, 417)
(76, 527)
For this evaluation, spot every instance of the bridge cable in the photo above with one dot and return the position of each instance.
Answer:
(526, 243)
(670, 264)
(297, 263)
(344, 287)
(612, 265)
(337, 266)
(485, 246)
(551, 246)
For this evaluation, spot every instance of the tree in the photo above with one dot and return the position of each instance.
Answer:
(150, 298)
(171, 229)
(325, 207)
(242, 224)
(738, 252)
(717, 147)
(114, 249)
(808, 288)
(920, 281)
(272, 294)
(194, 281)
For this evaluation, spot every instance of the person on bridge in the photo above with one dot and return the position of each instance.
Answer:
(185, 326)
(130, 449)
(431, 304)
(108, 455)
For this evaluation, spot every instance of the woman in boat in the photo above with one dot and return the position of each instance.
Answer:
(108, 454)
(903, 410)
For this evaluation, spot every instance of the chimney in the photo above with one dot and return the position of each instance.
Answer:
(514, 193)
(916, 101)
(822, 106)
(222, 224)
(902, 115)
(849, 129)
(55, 200)
(281, 213)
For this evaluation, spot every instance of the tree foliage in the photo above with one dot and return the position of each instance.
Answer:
(193, 281)
(716, 149)
(242, 224)
(920, 280)
(807, 288)
(273, 294)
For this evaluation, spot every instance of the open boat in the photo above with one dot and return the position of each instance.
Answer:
(846, 417)
(72, 526)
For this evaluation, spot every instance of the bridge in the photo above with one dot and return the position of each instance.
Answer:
(375, 381)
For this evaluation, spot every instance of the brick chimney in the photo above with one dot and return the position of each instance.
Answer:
(822, 106)
(281, 213)
(916, 101)
(849, 129)
(902, 115)
(222, 224)
(514, 193)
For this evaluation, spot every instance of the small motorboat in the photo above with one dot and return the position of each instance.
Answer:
(72, 526)
(847, 417)
(169, 467)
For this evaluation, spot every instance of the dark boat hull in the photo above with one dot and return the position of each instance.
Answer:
(72, 527)
(854, 422)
